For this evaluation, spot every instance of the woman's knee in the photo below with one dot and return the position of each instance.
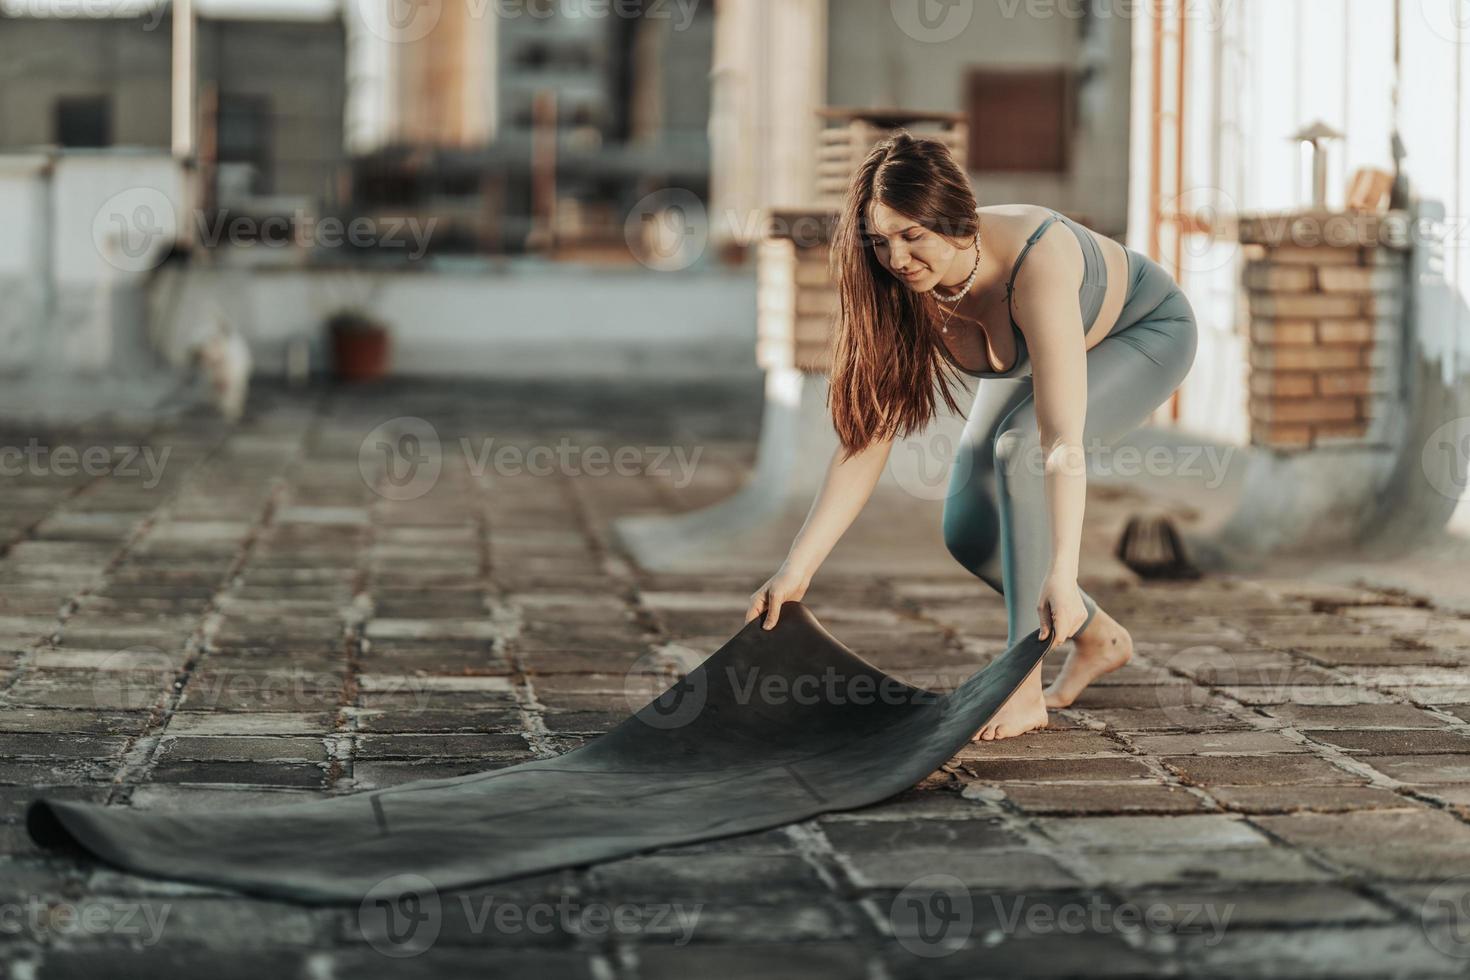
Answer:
(1016, 448)
(971, 529)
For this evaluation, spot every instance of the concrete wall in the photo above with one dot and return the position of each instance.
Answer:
(1272, 67)
(299, 66)
(82, 231)
(515, 319)
(877, 57)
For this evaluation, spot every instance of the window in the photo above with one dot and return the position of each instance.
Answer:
(83, 120)
(244, 135)
(1020, 119)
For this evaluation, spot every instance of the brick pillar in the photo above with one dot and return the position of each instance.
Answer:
(1326, 295)
(795, 298)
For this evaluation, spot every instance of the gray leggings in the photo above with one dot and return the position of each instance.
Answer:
(996, 518)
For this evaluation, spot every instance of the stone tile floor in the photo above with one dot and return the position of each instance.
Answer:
(1279, 785)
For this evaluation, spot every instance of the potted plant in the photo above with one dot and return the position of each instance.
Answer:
(360, 345)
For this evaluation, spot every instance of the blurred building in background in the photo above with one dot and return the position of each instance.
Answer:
(577, 187)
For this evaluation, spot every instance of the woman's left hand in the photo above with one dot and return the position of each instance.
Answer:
(1060, 608)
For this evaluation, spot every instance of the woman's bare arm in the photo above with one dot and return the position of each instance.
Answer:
(845, 490)
(1051, 320)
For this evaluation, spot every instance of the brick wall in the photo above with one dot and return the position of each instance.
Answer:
(1325, 294)
(795, 297)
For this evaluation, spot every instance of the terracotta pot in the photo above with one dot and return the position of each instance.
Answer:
(360, 348)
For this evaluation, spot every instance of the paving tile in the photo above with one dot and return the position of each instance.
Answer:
(248, 723)
(455, 745)
(1354, 716)
(1046, 744)
(1293, 798)
(722, 877)
(240, 748)
(1270, 906)
(1011, 870)
(1394, 742)
(1422, 768)
(1049, 770)
(377, 773)
(1171, 720)
(1216, 743)
(1102, 798)
(48, 746)
(1418, 843)
(1255, 864)
(817, 961)
(875, 835)
(63, 721)
(1195, 832)
(1329, 952)
(1259, 770)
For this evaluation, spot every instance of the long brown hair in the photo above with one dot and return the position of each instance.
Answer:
(886, 361)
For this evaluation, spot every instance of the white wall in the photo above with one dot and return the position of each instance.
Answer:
(879, 56)
(1269, 68)
(81, 230)
(517, 319)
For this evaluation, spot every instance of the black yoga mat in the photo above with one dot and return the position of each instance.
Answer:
(776, 726)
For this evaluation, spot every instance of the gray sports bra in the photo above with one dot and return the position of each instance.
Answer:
(1090, 294)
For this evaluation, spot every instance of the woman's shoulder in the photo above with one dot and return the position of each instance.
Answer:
(1020, 215)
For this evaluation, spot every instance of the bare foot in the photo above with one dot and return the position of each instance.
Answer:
(1024, 711)
(1105, 647)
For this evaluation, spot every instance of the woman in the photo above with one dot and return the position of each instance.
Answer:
(929, 283)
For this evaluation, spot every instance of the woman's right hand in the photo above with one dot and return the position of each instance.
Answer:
(788, 583)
